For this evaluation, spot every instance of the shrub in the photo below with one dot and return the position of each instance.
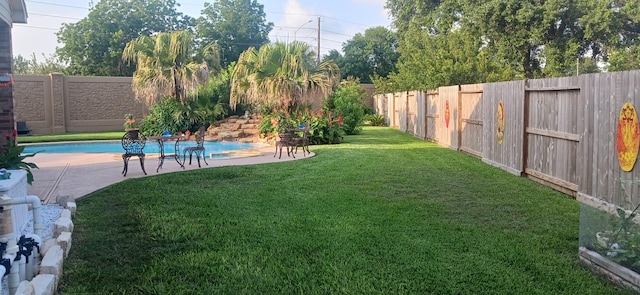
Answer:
(212, 103)
(325, 127)
(347, 101)
(167, 115)
(375, 120)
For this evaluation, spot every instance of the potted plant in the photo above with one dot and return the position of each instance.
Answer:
(12, 158)
(131, 126)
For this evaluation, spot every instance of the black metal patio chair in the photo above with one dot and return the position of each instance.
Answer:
(198, 150)
(133, 146)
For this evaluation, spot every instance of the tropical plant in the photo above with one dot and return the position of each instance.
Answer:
(325, 128)
(12, 158)
(166, 115)
(212, 102)
(375, 120)
(164, 66)
(280, 74)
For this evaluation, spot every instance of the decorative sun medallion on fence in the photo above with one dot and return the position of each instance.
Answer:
(447, 113)
(627, 137)
(500, 123)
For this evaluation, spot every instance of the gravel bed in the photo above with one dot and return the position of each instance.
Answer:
(48, 215)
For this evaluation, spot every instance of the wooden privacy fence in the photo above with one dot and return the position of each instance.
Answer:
(560, 131)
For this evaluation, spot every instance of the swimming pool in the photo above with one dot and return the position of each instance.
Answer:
(116, 147)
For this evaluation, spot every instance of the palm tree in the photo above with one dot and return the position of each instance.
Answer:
(280, 74)
(164, 66)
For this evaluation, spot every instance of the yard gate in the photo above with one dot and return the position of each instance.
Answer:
(470, 124)
(392, 118)
(551, 136)
(416, 111)
(431, 114)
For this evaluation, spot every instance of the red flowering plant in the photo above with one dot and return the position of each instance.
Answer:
(324, 127)
(12, 158)
(274, 121)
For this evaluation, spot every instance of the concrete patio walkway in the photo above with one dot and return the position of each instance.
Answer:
(78, 174)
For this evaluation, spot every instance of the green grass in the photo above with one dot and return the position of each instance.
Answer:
(382, 213)
(70, 137)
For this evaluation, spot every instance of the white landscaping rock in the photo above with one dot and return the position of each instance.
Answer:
(25, 288)
(52, 262)
(72, 207)
(44, 284)
(66, 213)
(46, 246)
(64, 241)
(61, 225)
(62, 200)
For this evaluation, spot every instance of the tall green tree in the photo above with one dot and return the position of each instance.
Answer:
(93, 46)
(33, 66)
(612, 31)
(165, 66)
(432, 61)
(281, 74)
(372, 54)
(506, 39)
(235, 25)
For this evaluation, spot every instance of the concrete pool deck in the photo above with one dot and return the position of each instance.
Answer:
(78, 174)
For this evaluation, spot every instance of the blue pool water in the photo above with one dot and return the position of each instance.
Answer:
(116, 147)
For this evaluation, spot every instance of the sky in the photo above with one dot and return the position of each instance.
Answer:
(340, 20)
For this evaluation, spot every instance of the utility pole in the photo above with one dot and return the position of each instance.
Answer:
(318, 40)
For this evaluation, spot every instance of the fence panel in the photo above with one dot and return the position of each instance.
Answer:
(378, 105)
(391, 112)
(508, 97)
(416, 105)
(551, 132)
(604, 95)
(403, 113)
(431, 114)
(470, 106)
(447, 123)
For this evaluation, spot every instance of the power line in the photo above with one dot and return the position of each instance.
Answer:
(346, 21)
(323, 39)
(35, 27)
(336, 33)
(51, 15)
(58, 4)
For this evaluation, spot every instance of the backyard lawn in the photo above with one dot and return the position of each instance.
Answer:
(381, 213)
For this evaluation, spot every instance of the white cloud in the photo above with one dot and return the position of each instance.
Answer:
(298, 21)
(372, 2)
(375, 3)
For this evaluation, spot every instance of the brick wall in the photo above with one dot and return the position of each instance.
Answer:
(7, 123)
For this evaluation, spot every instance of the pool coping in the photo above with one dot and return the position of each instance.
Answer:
(78, 174)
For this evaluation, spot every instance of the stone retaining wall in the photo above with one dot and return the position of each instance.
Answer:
(236, 128)
(53, 252)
